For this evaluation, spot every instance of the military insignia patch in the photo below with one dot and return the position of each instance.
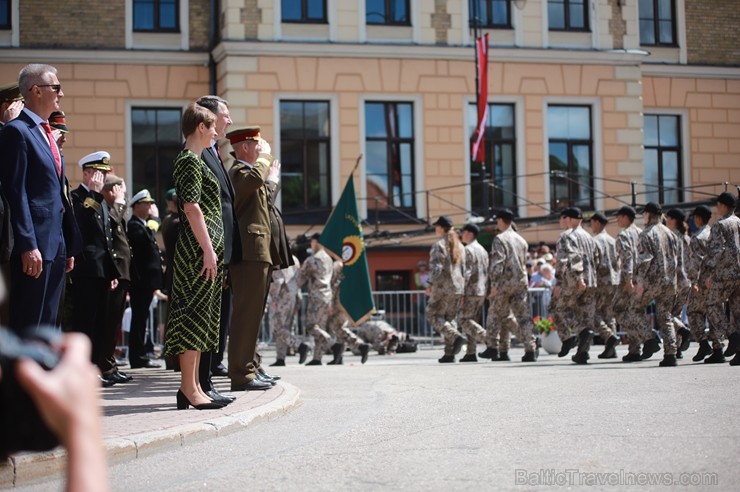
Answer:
(91, 203)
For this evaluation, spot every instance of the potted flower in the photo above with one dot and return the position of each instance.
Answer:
(549, 338)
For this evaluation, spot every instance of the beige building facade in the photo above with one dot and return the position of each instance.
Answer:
(620, 102)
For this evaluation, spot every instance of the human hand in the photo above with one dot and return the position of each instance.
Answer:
(581, 285)
(113, 284)
(695, 288)
(274, 173)
(32, 263)
(154, 210)
(639, 289)
(209, 268)
(97, 181)
(629, 286)
(12, 111)
(70, 264)
(264, 146)
(118, 192)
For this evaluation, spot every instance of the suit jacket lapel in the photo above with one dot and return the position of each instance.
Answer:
(35, 131)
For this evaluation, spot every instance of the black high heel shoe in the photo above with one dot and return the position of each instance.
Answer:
(183, 403)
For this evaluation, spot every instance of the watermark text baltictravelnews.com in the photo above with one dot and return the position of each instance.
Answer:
(575, 477)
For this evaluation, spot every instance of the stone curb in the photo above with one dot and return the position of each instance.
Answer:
(28, 468)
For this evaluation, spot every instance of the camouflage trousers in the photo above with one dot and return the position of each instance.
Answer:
(339, 328)
(697, 313)
(441, 313)
(682, 298)
(604, 305)
(556, 312)
(508, 312)
(317, 315)
(469, 316)
(726, 291)
(578, 311)
(638, 328)
(621, 305)
(281, 322)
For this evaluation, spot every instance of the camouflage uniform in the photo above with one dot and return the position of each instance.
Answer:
(338, 322)
(607, 279)
(317, 271)
(378, 333)
(284, 296)
(722, 267)
(697, 308)
(447, 284)
(626, 246)
(476, 266)
(509, 308)
(555, 307)
(656, 269)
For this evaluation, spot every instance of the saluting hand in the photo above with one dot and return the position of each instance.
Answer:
(97, 181)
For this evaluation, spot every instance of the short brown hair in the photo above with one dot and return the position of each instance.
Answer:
(193, 116)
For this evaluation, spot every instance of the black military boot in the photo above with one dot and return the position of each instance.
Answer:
(489, 353)
(568, 344)
(650, 347)
(704, 350)
(584, 339)
(685, 339)
(503, 356)
(717, 357)
(733, 342)
(529, 357)
(469, 358)
(668, 361)
(580, 357)
(364, 352)
(457, 344)
(632, 358)
(337, 351)
(278, 363)
(609, 351)
(446, 359)
(302, 353)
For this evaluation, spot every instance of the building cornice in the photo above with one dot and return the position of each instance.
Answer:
(424, 52)
(691, 71)
(124, 57)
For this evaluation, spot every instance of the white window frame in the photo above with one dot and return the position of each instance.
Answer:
(184, 11)
(683, 115)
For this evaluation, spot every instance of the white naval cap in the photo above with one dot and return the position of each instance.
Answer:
(99, 160)
(143, 196)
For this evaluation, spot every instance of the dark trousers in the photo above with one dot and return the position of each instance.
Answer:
(141, 299)
(89, 298)
(35, 301)
(211, 360)
(113, 320)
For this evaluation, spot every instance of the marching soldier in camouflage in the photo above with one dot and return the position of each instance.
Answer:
(476, 268)
(445, 287)
(722, 266)
(656, 273)
(578, 264)
(555, 307)
(339, 324)
(284, 297)
(676, 221)
(317, 272)
(626, 247)
(508, 280)
(380, 335)
(607, 281)
(697, 307)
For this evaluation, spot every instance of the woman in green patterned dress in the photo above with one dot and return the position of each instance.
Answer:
(195, 302)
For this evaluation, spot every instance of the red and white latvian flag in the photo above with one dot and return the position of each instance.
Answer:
(479, 138)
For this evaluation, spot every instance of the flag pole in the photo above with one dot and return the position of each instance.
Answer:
(483, 170)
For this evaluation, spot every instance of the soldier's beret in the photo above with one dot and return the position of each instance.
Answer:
(628, 211)
(10, 92)
(505, 214)
(58, 121)
(727, 198)
(704, 212)
(600, 217)
(472, 228)
(676, 214)
(248, 133)
(573, 213)
(444, 222)
(97, 160)
(171, 194)
(653, 208)
(111, 180)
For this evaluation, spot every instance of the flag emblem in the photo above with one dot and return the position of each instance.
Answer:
(352, 248)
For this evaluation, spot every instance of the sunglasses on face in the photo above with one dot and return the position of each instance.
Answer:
(55, 87)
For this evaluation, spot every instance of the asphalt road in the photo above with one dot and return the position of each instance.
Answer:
(407, 422)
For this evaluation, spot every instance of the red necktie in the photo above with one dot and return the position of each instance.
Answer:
(54, 149)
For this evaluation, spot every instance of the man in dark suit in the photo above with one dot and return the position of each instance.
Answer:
(251, 275)
(211, 363)
(146, 277)
(32, 175)
(95, 272)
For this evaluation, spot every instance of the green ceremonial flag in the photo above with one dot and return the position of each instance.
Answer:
(342, 237)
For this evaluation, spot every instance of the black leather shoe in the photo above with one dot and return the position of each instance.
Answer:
(313, 362)
(529, 357)
(631, 358)
(736, 360)
(685, 335)
(503, 356)
(128, 378)
(278, 363)
(733, 342)
(489, 353)
(219, 398)
(253, 385)
(717, 357)
(364, 352)
(584, 339)
(271, 376)
(469, 358)
(704, 350)
(265, 379)
(609, 351)
(580, 358)
(650, 347)
(220, 370)
(117, 377)
(445, 359)
(457, 344)
(668, 361)
(568, 344)
(302, 353)
(144, 363)
(105, 382)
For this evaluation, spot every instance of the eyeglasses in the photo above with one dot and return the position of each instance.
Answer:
(55, 87)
